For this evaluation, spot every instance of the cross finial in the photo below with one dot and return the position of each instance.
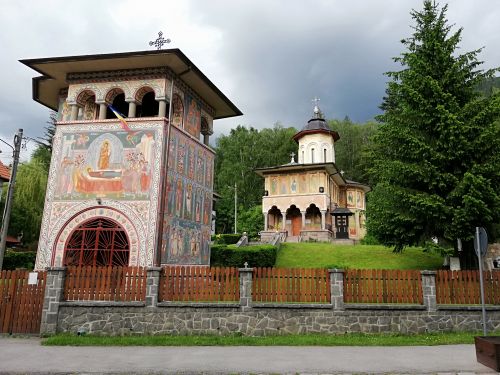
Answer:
(245, 264)
(316, 110)
(160, 41)
(292, 155)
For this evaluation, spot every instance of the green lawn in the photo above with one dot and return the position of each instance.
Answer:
(354, 339)
(318, 255)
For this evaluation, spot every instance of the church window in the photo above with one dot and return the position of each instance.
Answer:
(149, 106)
(312, 155)
(303, 161)
(97, 242)
(324, 155)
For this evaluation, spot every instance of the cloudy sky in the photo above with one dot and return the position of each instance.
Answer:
(269, 57)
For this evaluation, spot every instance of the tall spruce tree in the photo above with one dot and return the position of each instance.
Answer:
(436, 157)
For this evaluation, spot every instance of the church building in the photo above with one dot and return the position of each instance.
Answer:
(131, 176)
(310, 199)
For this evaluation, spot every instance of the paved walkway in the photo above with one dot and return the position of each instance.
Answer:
(28, 356)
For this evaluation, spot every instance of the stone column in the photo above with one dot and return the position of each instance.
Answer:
(132, 107)
(303, 219)
(162, 110)
(266, 215)
(429, 289)
(74, 112)
(206, 139)
(337, 288)
(152, 286)
(54, 294)
(245, 287)
(323, 219)
(102, 111)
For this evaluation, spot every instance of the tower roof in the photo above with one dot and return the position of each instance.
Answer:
(316, 125)
(54, 70)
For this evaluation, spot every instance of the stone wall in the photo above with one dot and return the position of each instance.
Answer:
(261, 321)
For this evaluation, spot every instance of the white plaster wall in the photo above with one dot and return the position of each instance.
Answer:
(318, 142)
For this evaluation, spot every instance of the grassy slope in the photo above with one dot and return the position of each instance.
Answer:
(354, 257)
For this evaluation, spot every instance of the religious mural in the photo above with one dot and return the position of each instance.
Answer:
(193, 117)
(177, 111)
(96, 164)
(188, 209)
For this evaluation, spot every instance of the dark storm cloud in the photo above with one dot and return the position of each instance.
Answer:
(270, 57)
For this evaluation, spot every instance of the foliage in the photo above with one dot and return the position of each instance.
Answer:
(29, 199)
(326, 255)
(237, 156)
(348, 339)
(19, 259)
(435, 156)
(256, 256)
(227, 238)
(251, 221)
(355, 140)
(369, 239)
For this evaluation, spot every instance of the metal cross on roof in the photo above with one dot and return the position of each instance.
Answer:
(316, 110)
(160, 41)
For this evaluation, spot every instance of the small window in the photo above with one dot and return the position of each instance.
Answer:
(312, 155)
(324, 155)
(303, 161)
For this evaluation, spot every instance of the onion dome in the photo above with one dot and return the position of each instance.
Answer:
(316, 125)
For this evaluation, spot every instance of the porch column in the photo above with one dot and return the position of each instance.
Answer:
(266, 215)
(102, 111)
(162, 110)
(74, 112)
(303, 219)
(132, 107)
(206, 138)
(323, 219)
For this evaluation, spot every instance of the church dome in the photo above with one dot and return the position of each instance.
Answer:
(316, 125)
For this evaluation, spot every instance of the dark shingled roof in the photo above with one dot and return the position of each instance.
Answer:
(316, 125)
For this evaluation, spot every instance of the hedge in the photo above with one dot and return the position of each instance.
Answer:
(256, 256)
(227, 239)
(18, 259)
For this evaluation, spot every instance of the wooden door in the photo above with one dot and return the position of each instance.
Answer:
(21, 303)
(296, 225)
(342, 226)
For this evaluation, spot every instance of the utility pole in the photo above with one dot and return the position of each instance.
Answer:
(235, 208)
(18, 138)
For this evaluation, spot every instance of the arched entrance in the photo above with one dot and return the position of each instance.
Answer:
(294, 220)
(97, 242)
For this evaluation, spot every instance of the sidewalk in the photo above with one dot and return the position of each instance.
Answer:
(28, 356)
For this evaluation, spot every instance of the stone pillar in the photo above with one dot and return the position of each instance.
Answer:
(283, 221)
(54, 293)
(152, 286)
(132, 107)
(245, 287)
(266, 215)
(429, 289)
(74, 112)
(337, 288)
(303, 219)
(162, 110)
(206, 139)
(323, 219)
(102, 111)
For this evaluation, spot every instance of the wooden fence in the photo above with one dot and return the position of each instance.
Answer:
(463, 287)
(123, 284)
(382, 286)
(21, 303)
(291, 285)
(199, 284)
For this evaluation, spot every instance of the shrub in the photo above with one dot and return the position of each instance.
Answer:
(19, 259)
(227, 239)
(256, 256)
(369, 239)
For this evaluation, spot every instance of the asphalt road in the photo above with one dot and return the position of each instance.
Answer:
(28, 356)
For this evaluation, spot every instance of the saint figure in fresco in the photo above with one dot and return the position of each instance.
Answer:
(293, 186)
(274, 186)
(178, 197)
(104, 155)
(189, 201)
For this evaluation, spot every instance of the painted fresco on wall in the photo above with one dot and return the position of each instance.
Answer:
(302, 183)
(188, 214)
(350, 198)
(177, 111)
(193, 116)
(113, 165)
(274, 185)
